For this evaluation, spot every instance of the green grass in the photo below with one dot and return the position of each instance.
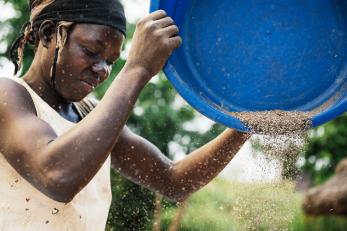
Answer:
(222, 205)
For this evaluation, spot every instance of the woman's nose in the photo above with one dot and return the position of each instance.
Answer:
(102, 69)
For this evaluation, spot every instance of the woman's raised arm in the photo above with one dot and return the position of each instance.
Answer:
(60, 166)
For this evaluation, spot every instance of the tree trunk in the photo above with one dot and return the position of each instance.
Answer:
(331, 197)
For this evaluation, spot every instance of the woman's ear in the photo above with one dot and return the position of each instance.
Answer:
(46, 32)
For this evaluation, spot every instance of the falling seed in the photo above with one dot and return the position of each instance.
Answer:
(27, 199)
(55, 211)
(275, 122)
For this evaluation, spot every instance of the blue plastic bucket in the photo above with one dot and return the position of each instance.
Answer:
(248, 55)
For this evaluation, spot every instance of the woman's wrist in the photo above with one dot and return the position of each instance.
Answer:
(138, 71)
(236, 135)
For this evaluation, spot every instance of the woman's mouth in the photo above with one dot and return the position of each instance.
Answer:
(91, 85)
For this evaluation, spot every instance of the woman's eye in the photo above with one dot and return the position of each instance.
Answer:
(89, 52)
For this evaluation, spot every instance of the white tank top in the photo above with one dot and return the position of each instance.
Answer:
(23, 207)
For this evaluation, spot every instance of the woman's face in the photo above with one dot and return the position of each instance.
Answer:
(86, 59)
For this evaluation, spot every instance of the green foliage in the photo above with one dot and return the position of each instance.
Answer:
(14, 24)
(132, 206)
(222, 205)
(323, 224)
(326, 148)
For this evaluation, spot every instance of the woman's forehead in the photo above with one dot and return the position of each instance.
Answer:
(100, 33)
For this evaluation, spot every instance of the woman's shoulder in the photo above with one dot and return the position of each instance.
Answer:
(10, 82)
(14, 95)
(10, 87)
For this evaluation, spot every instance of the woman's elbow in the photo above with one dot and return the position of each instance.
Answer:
(59, 189)
(59, 196)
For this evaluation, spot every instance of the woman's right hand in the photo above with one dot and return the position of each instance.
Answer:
(155, 38)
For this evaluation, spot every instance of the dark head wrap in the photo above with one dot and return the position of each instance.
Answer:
(103, 12)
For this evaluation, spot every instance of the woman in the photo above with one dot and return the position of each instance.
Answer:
(55, 166)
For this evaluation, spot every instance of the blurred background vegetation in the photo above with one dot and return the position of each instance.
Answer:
(221, 205)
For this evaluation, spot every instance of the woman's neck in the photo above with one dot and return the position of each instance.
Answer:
(45, 90)
(42, 86)
(39, 80)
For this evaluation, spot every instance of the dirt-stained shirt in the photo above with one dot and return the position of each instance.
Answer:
(23, 207)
